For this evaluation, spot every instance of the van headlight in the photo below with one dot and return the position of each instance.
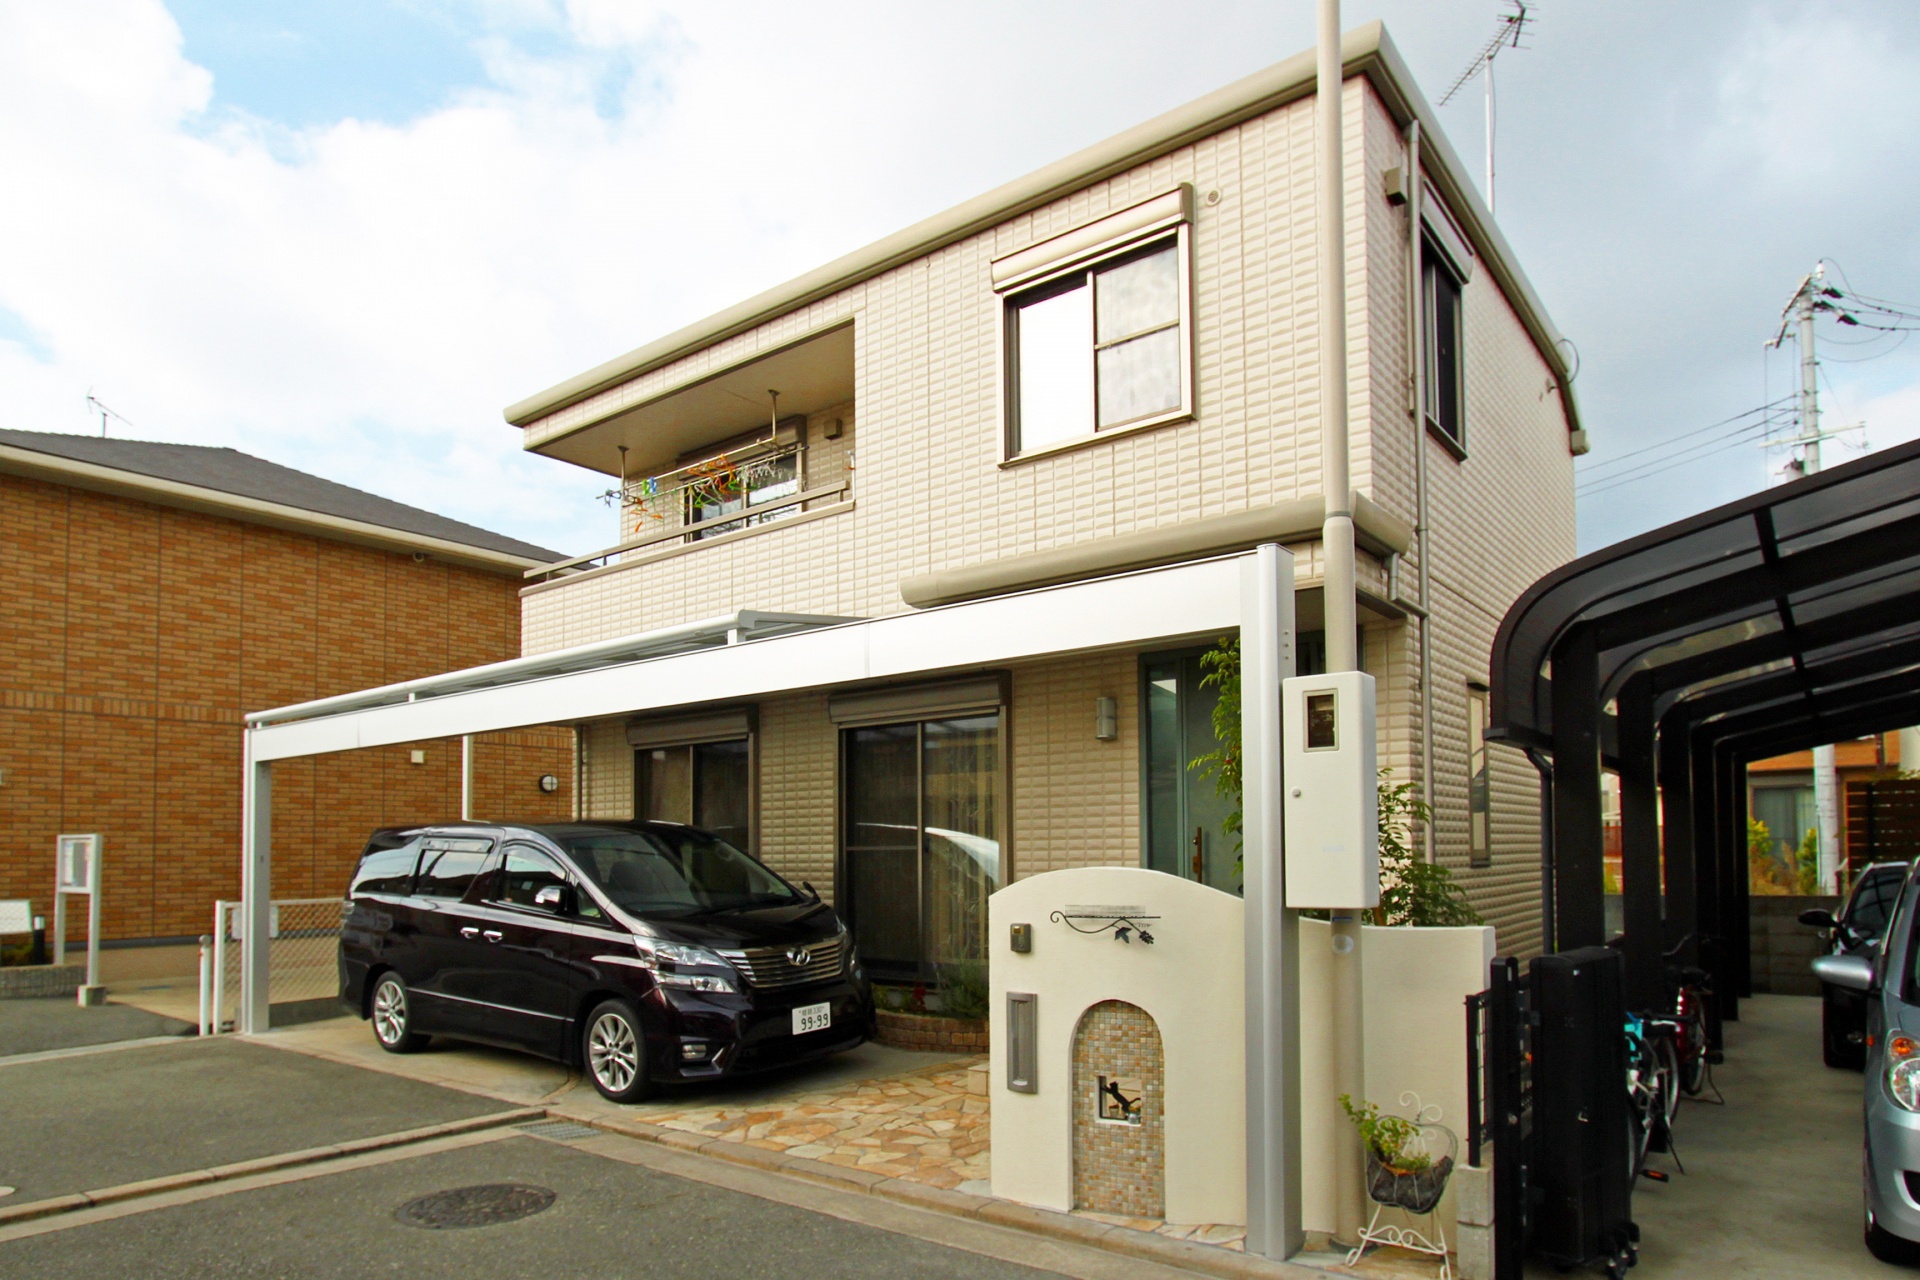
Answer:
(1903, 1071)
(671, 963)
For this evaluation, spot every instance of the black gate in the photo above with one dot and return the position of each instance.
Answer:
(1500, 1105)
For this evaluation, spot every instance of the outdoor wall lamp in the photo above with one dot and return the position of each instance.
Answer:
(1106, 719)
(549, 783)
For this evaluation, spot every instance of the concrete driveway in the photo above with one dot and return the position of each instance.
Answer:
(1772, 1186)
(40, 1026)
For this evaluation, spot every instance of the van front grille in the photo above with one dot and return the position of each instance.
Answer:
(770, 968)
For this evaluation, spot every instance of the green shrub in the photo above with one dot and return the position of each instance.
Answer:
(963, 989)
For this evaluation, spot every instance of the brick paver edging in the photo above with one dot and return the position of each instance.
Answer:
(78, 1200)
(1202, 1258)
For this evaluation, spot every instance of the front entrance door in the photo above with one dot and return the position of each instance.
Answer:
(1186, 817)
(923, 824)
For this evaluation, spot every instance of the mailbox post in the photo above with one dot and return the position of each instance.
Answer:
(76, 871)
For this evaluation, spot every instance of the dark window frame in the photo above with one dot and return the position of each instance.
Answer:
(1443, 302)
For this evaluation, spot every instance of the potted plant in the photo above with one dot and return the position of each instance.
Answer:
(1402, 1167)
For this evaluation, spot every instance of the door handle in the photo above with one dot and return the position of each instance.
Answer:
(492, 935)
(469, 932)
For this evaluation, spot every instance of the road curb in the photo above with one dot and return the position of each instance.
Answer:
(1205, 1259)
(74, 1201)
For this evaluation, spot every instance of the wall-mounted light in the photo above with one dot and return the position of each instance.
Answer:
(549, 783)
(417, 756)
(1106, 719)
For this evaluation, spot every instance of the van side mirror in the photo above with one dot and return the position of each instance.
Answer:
(1850, 973)
(1818, 918)
(553, 898)
(811, 891)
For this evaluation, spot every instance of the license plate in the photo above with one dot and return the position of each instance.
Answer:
(812, 1017)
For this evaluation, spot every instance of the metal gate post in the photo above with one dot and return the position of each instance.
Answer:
(256, 888)
(1272, 932)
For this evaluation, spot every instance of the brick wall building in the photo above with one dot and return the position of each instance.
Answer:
(151, 595)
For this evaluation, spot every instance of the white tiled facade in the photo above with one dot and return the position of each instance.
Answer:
(929, 493)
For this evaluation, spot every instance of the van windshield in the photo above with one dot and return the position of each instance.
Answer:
(671, 872)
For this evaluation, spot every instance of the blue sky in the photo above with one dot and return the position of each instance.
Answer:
(343, 235)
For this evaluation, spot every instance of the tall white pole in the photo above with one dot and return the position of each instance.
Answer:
(1272, 932)
(466, 777)
(1490, 123)
(1826, 774)
(1341, 607)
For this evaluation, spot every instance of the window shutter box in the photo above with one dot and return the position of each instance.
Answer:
(932, 700)
(1093, 238)
(723, 724)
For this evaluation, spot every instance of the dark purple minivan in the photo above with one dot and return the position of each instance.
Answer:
(644, 952)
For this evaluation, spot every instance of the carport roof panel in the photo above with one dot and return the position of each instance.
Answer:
(1725, 591)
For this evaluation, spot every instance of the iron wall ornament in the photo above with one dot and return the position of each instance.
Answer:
(1124, 922)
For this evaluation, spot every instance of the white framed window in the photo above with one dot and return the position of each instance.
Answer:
(1099, 339)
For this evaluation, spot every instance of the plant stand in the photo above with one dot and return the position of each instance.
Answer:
(1415, 1192)
(1403, 1238)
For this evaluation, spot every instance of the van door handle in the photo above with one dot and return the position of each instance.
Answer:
(492, 935)
(469, 932)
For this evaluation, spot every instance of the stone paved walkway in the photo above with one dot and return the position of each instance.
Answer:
(923, 1125)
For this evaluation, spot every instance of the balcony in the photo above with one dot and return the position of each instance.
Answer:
(731, 492)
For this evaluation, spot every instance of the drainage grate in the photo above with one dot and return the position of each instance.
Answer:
(482, 1206)
(558, 1130)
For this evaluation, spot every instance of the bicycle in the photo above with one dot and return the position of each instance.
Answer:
(1652, 1086)
(1692, 990)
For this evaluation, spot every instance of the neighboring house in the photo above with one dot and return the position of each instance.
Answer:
(1780, 793)
(150, 594)
(1105, 365)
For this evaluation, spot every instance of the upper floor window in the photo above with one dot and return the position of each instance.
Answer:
(724, 489)
(1446, 407)
(1479, 783)
(1101, 345)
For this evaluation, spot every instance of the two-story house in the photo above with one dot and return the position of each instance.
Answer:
(918, 553)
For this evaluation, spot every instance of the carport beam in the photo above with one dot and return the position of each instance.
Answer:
(256, 887)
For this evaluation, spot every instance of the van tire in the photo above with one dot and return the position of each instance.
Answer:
(613, 1050)
(390, 1009)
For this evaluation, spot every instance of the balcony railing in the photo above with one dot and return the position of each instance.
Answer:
(723, 494)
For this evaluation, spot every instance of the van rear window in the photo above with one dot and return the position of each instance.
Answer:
(386, 870)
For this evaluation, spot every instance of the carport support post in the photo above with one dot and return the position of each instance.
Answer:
(1676, 837)
(1272, 932)
(256, 886)
(1579, 869)
(1639, 844)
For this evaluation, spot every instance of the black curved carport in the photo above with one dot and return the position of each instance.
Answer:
(1783, 621)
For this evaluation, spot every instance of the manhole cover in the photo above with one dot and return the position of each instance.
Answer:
(483, 1206)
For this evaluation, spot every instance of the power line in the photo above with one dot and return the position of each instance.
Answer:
(1751, 433)
(1672, 440)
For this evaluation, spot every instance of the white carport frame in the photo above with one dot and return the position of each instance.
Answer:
(1251, 592)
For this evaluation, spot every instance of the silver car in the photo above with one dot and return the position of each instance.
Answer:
(1890, 981)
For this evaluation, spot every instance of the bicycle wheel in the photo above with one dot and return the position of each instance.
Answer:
(1693, 1054)
(1667, 1078)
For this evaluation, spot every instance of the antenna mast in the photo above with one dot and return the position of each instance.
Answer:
(1508, 29)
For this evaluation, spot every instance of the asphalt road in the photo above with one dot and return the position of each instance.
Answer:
(96, 1120)
(610, 1221)
(35, 1026)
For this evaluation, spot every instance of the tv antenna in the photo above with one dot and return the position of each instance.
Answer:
(1508, 30)
(95, 406)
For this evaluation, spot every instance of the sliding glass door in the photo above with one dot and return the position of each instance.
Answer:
(708, 784)
(924, 814)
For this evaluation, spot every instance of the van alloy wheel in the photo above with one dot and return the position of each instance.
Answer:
(616, 1052)
(392, 1016)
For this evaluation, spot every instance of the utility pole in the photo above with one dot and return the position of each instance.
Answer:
(1342, 608)
(1826, 774)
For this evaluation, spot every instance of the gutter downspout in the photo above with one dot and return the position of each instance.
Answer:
(1417, 388)
(1545, 768)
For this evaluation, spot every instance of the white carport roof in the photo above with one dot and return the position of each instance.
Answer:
(737, 660)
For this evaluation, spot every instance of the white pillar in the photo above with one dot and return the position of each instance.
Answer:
(256, 886)
(1272, 932)
(1826, 811)
(466, 777)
